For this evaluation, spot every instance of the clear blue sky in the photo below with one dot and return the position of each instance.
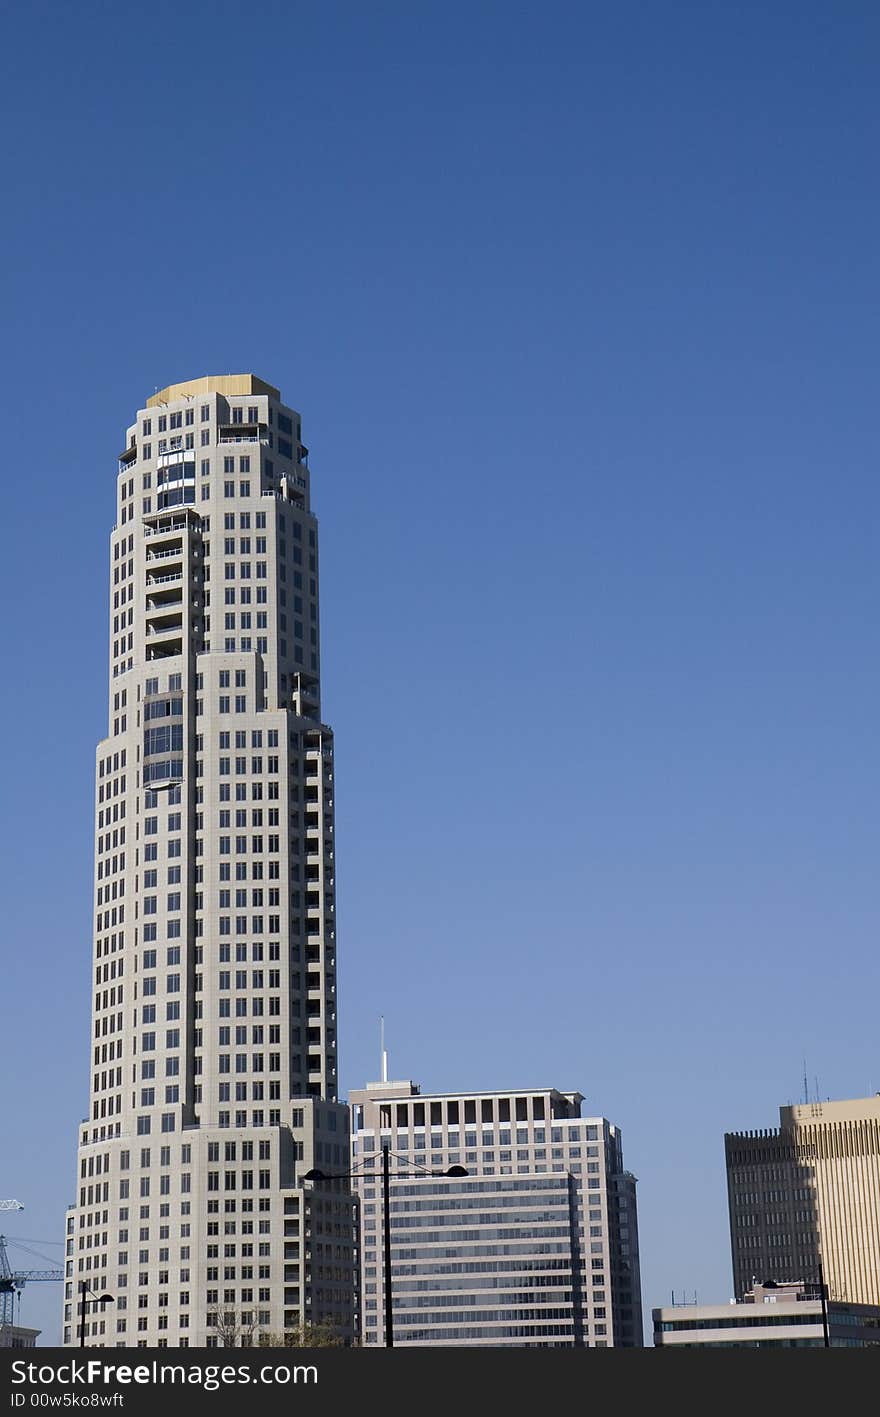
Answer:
(579, 303)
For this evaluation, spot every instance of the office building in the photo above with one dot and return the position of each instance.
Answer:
(213, 1037)
(807, 1193)
(769, 1316)
(14, 1336)
(537, 1246)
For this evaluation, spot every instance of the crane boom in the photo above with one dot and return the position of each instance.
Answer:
(11, 1205)
(12, 1281)
(24, 1276)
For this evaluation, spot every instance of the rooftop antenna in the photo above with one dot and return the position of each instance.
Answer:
(382, 1050)
(816, 1081)
(806, 1091)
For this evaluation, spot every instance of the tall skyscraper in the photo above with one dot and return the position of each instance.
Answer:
(213, 1041)
(808, 1193)
(536, 1247)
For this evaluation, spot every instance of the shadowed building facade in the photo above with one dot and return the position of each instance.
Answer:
(807, 1193)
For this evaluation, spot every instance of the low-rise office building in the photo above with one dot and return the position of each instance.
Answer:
(770, 1315)
(14, 1336)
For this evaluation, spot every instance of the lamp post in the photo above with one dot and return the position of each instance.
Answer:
(98, 1298)
(386, 1215)
(823, 1297)
(386, 1245)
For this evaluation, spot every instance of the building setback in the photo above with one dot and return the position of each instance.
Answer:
(808, 1193)
(536, 1247)
(769, 1316)
(213, 1038)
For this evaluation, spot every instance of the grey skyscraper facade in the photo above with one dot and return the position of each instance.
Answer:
(537, 1246)
(213, 1082)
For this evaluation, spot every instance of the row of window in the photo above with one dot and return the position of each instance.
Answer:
(173, 420)
(503, 1137)
(112, 763)
(502, 1109)
(114, 788)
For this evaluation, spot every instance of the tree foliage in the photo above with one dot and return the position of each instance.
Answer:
(319, 1335)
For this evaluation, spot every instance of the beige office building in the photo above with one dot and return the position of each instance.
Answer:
(213, 1037)
(808, 1193)
(536, 1247)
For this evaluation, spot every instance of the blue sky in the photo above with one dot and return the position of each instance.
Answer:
(579, 304)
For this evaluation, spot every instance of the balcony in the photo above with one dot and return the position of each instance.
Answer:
(163, 624)
(290, 495)
(176, 554)
(242, 432)
(165, 600)
(164, 633)
(165, 523)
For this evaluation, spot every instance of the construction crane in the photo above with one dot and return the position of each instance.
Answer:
(12, 1281)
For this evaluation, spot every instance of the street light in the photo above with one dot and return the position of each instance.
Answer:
(98, 1298)
(386, 1207)
(823, 1295)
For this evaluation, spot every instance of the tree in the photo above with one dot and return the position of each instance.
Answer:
(305, 1335)
(232, 1328)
